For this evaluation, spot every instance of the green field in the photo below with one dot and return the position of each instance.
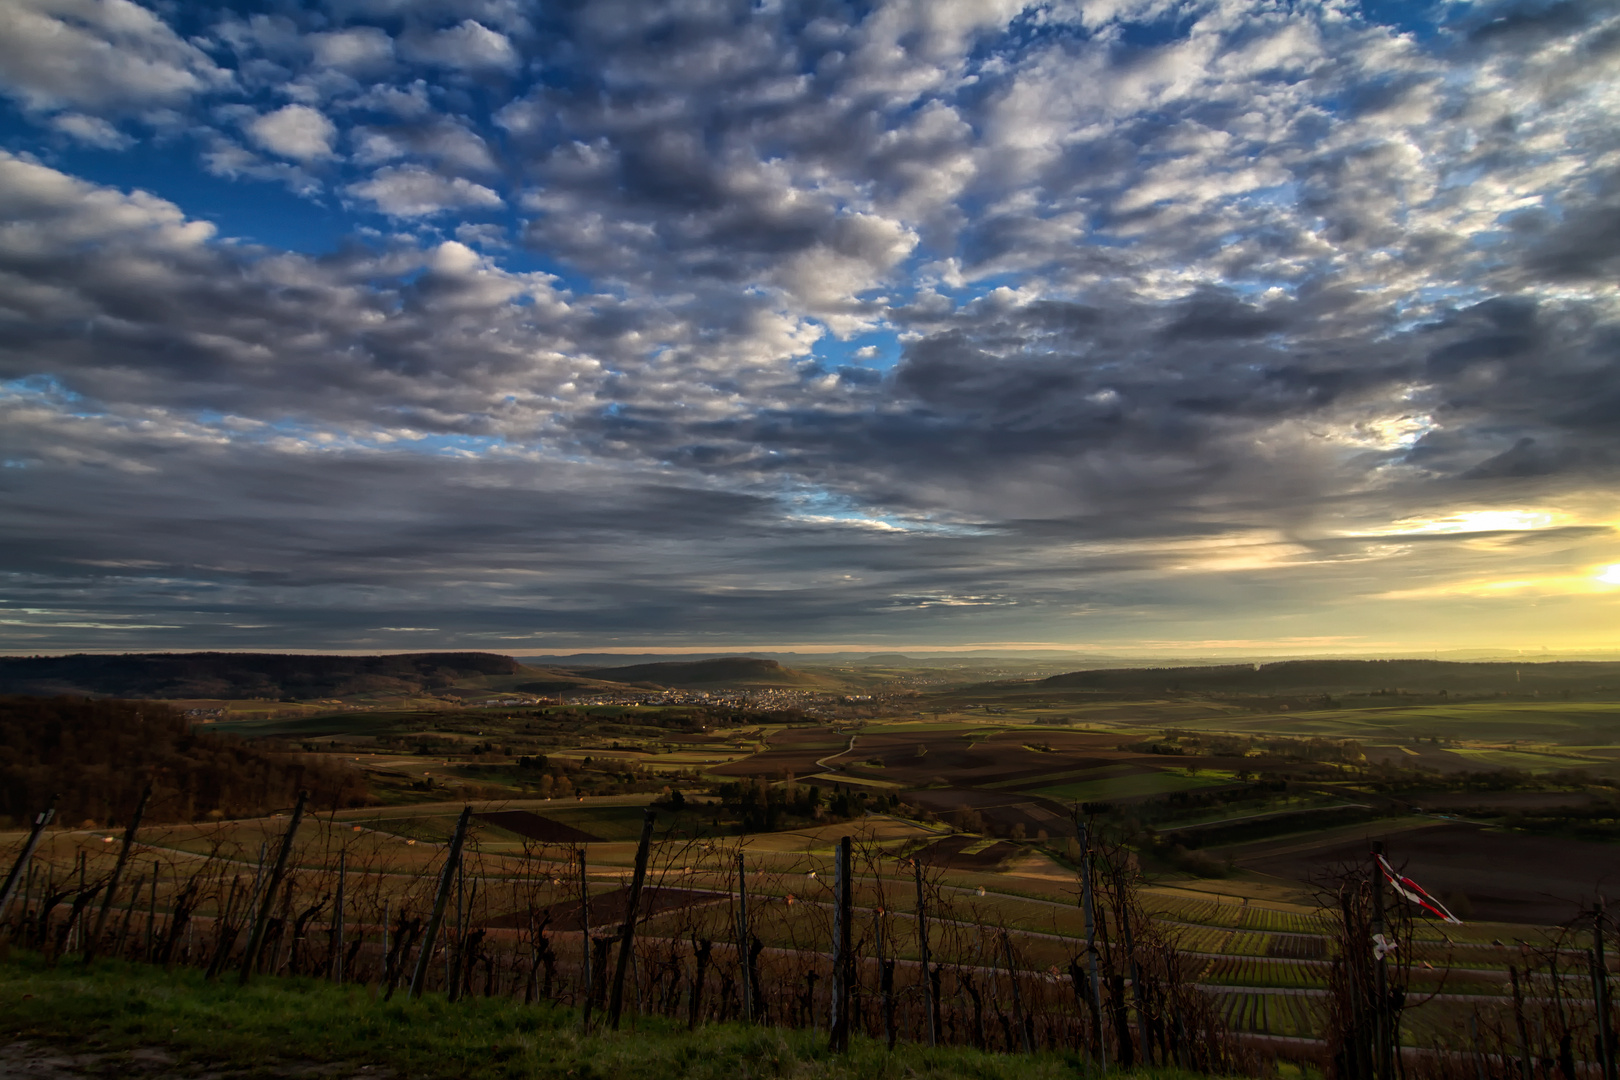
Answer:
(1129, 786)
(1527, 760)
(607, 822)
(304, 1027)
(1564, 723)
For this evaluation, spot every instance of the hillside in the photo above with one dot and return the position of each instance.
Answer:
(550, 680)
(729, 671)
(247, 675)
(1334, 677)
(97, 755)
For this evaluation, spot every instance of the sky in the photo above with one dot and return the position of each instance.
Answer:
(1138, 326)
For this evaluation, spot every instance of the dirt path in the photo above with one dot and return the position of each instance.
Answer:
(821, 763)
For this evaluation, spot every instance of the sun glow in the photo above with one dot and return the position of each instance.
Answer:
(1472, 521)
(1605, 578)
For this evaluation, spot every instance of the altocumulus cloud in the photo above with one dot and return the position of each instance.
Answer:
(488, 324)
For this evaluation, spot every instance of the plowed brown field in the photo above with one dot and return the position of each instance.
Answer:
(1507, 877)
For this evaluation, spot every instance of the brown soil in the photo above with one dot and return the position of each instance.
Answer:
(792, 751)
(1503, 800)
(948, 853)
(535, 827)
(1507, 877)
(995, 759)
(1428, 757)
(1012, 759)
(1000, 809)
(774, 764)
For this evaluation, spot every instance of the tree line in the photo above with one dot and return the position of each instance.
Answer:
(99, 754)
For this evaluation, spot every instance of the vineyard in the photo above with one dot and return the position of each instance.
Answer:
(848, 930)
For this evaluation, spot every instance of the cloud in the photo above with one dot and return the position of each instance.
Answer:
(408, 191)
(49, 214)
(467, 46)
(167, 318)
(449, 145)
(358, 50)
(91, 131)
(1585, 248)
(1181, 311)
(95, 55)
(295, 131)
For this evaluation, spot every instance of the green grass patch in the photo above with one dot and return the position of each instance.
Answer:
(1527, 760)
(116, 1008)
(1125, 787)
(1564, 723)
(607, 822)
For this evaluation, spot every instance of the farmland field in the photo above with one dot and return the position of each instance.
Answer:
(1573, 723)
(1233, 817)
(1263, 962)
(1159, 782)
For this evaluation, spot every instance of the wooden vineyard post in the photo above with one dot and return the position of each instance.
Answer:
(843, 949)
(254, 889)
(256, 940)
(447, 877)
(75, 923)
(387, 973)
(1088, 903)
(886, 966)
(1017, 995)
(129, 915)
(627, 934)
(151, 914)
(930, 1006)
(93, 942)
(1518, 1020)
(702, 949)
(1382, 1050)
(452, 951)
(585, 940)
(20, 867)
(1139, 992)
(28, 896)
(1600, 993)
(337, 917)
(744, 961)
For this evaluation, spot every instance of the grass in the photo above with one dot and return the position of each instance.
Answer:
(274, 1024)
(607, 822)
(1121, 787)
(858, 781)
(1554, 722)
(1528, 761)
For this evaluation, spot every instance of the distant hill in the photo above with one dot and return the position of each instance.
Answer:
(558, 681)
(1347, 676)
(247, 675)
(737, 671)
(581, 661)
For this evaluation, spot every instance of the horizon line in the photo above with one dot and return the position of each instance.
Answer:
(1143, 651)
